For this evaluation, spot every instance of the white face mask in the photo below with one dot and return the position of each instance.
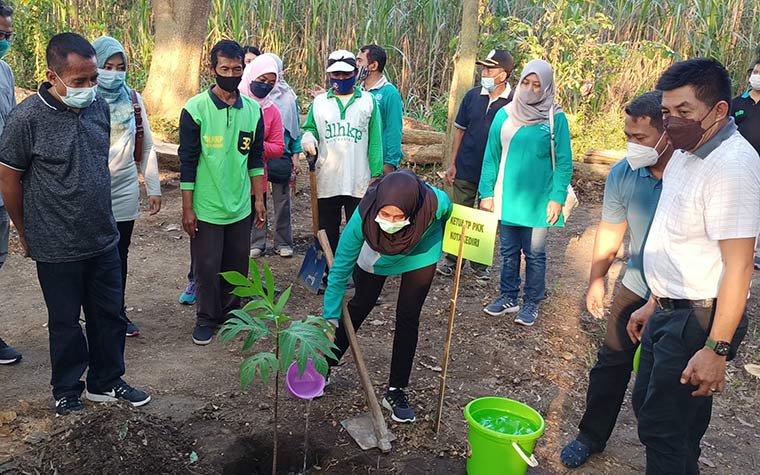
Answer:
(640, 156)
(754, 82)
(391, 227)
(78, 97)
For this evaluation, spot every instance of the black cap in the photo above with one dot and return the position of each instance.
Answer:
(498, 58)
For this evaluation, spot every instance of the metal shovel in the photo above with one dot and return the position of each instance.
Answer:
(368, 430)
(314, 263)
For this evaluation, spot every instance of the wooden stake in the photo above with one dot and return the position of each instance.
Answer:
(452, 312)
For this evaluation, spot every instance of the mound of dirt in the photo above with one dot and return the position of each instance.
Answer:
(113, 439)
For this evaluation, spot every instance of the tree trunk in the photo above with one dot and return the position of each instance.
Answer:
(464, 68)
(174, 77)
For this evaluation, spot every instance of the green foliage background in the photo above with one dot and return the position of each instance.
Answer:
(605, 52)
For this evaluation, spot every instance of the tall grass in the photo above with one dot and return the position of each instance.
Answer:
(604, 51)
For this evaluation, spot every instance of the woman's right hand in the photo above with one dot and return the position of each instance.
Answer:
(486, 204)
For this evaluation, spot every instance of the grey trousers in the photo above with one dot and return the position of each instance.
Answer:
(218, 248)
(283, 232)
(466, 194)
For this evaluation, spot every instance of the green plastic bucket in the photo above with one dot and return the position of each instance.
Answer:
(497, 453)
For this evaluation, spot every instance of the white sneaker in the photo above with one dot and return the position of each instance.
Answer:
(285, 251)
(256, 252)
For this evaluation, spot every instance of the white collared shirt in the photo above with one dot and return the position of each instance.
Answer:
(704, 201)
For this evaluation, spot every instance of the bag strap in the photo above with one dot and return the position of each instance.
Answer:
(139, 129)
(551, 134)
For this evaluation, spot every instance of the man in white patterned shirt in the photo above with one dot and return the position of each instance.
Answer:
(697, 263)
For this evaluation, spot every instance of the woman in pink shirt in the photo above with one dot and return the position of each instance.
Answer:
(259, 78)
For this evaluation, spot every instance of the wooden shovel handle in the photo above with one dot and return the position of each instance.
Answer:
(381, 430)
(314, 202)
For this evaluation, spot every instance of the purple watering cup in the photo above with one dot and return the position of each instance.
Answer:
(307, 386)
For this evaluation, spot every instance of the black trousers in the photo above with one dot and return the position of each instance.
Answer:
(671, 422)
(214, 249)
(331, 214)
(125, 238)
(411, 296)
(92, 285)
(609, 377)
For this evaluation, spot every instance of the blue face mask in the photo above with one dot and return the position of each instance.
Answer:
(343, 86)
(78, 97)
(111, 80)
(260, 89)
(5, 45)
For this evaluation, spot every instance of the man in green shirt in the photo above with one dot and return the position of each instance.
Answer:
(371, 61)
(221, 144)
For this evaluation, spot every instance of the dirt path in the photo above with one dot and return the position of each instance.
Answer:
(198, 406)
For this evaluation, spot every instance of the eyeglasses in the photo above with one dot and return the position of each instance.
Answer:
(7, 35)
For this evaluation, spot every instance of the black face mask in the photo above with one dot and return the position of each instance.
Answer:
(228, 83)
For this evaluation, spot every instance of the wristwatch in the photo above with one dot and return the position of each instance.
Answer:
(721, 348)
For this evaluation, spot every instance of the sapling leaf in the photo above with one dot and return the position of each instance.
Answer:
(244, 292)
(320, 364)
(254, 304)
(270, 282)
(287, 350)
(264, 363)
(253, 271)
(284, 297)
(236, 278)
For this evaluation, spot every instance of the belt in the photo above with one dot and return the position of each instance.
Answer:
(673, 304)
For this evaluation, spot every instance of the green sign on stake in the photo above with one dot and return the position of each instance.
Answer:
(480, 237)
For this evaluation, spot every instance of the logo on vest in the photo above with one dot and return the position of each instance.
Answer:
(342, 130)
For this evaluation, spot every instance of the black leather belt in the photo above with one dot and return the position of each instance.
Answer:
(673, 304)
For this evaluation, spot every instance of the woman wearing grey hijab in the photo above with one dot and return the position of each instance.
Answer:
(520, 184)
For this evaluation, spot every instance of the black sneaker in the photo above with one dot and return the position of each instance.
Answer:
(397, 402)
(203, 335)
(68, 404)
(8, 354)
(121, 391)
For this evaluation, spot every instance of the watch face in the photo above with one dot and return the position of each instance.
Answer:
(722, 348)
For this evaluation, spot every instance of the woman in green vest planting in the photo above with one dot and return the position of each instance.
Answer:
(522, 185)
(397, 229)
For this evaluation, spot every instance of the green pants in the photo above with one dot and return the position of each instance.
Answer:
(465, 194)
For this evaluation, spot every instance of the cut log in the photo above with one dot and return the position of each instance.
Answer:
(414, 124)
(422, 137)
(423, 154)
(603, 157)
(167, 156)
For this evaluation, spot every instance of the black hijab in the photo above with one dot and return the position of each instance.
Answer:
(411, 195)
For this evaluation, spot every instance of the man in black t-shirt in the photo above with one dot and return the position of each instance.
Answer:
(472, 123)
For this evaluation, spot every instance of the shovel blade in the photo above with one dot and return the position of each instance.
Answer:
(361, 429)
(313, 267)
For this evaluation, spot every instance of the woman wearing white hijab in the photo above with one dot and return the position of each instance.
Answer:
(522, 186)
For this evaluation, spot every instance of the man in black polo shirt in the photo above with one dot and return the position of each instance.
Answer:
(745, 108)
(57, 189)
(472, 123)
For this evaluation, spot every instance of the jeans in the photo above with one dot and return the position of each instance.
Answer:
(218, 248)
(125, 237)
(92, 285)
(411, 296)
(532, 243)
(465, 193)
(671, 422)
(609, 377)
(258, 235)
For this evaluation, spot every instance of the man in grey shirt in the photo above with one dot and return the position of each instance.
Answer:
(8, 355)
(57, 189)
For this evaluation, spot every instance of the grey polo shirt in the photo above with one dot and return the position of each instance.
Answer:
(631, 196)
(7, 97)
(67, 186)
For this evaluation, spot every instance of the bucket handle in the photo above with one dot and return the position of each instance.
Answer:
(529, 460)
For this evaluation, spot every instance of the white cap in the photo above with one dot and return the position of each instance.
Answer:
(341, 61)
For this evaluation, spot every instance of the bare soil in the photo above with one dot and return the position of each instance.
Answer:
(199, 412)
